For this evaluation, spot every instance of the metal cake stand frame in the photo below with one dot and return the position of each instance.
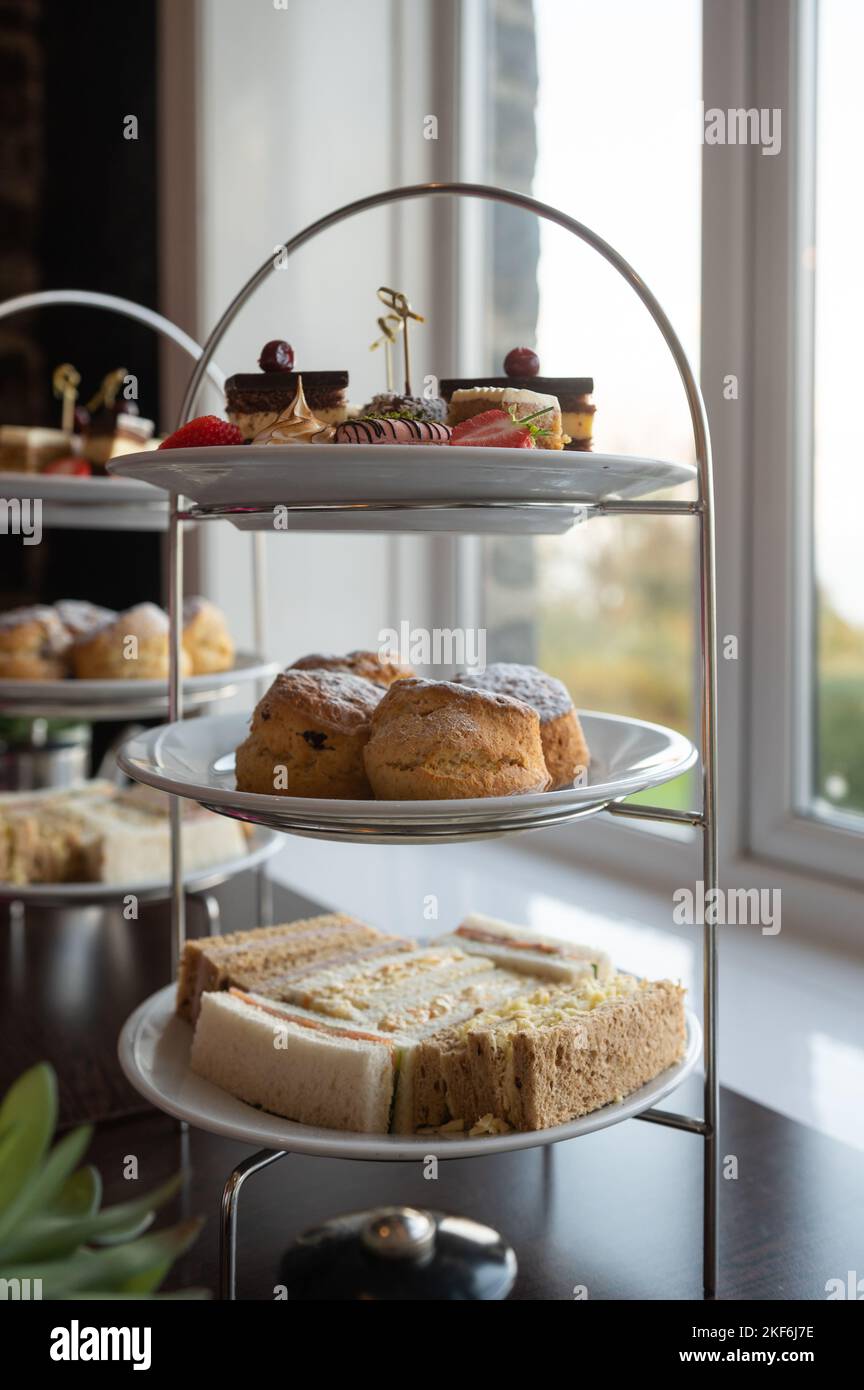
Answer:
(704, 819)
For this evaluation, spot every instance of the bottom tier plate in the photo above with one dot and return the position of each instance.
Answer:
(154, 1053)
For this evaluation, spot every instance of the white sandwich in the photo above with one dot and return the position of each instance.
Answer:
(298, 1068)
(519, 948)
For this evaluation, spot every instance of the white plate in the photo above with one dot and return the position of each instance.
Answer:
(263, 845)
(63, 487)
(68, 697)
(154, 1053)
(367, 485)
(195, 758)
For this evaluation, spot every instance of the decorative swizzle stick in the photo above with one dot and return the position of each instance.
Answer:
(66, 381)
(390, 326)
(397, 302)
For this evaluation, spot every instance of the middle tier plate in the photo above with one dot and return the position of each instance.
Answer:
(195, 759)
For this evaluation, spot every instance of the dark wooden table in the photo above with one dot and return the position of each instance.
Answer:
(618, 1211)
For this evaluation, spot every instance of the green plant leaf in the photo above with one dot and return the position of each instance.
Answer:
(80, 1195)
(47, 1182)
(50, 1237)
(28, 1116)
(109, 1269)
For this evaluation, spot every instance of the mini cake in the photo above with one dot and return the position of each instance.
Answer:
(382, 430)
(132, 647)
(564, 746)
(296, 425)
(27, 449)
(307, 736)
(34, 645)
(372, 666)
(433, 740)
(206, 639)
(522, 367)
(475, 400)
(255, 400)
(411, 407)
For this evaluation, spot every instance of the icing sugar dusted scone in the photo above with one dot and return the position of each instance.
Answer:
(206, 638)
(433, 740)
(133, 647)
(382, 430)
(33, 645)
(307, 736)
(564, 746)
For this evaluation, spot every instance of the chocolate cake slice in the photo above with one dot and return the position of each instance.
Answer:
(573, 393)
(254, 400)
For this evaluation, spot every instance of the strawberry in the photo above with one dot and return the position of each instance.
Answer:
(201, 433)
(498, 429)
(71, 464)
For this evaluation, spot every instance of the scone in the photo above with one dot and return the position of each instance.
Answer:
(33, 645)
(372, 666)
(307, 735)
(564, 747)
(435, 740)
(133, 647)
(206, 638)
(80, 617)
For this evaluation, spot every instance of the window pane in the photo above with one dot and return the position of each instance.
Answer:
(838, 767)
(609, 607)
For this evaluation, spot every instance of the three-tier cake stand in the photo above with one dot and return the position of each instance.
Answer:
(394, 491)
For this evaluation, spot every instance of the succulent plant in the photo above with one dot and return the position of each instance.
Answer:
(52, 1225)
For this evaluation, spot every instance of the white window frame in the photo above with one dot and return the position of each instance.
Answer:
(754, 305)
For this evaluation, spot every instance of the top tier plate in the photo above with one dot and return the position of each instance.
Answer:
(400, 487)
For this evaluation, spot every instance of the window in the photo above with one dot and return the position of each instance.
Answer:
(609, 609)
(836, 772)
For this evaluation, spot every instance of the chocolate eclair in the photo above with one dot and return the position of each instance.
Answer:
(573, 393)
(255, 400)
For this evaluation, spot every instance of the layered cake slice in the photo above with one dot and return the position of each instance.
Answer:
(255, 400)
(522, 368)
(469, 401)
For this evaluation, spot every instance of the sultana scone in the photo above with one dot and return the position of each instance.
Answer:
(435, 740)
(307, 735)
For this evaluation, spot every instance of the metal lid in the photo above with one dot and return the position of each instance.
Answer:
(399, 1253)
